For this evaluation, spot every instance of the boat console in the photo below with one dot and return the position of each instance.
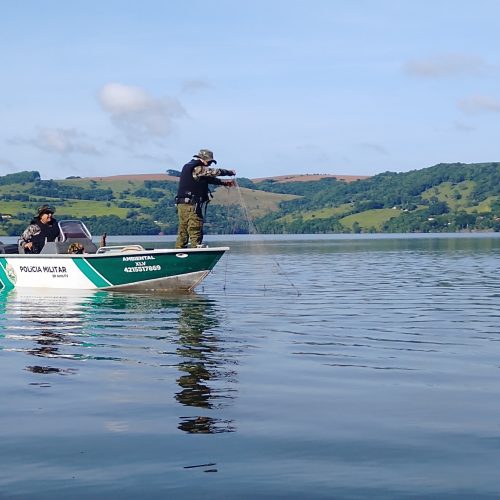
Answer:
(72, 231)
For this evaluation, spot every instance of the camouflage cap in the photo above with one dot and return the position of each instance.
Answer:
(206, 155)
(45, 209)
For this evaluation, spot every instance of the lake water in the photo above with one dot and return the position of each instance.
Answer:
(303, 367)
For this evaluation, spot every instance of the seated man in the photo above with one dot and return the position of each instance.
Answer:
(41, 229)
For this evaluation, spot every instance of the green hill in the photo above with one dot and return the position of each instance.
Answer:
(139, 204)
(445, 197)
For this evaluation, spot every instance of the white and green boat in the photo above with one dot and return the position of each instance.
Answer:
(118, 267)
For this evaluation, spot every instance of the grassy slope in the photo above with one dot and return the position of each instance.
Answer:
(484, 206)
(116, 185)
(258, 203)
(370, 218)
(457, 196)
(323, 213)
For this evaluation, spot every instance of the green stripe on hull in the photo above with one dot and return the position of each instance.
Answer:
(88, 270)
(126, 269)
(5, 283)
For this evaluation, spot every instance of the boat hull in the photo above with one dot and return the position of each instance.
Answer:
(160, 269)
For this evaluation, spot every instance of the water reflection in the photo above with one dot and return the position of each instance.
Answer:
(42, 326)
(155, 333)
(199, 348)
(48, 347)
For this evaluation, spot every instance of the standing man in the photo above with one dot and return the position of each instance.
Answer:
(193, 195)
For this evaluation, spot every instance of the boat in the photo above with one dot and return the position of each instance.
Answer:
(113, 267)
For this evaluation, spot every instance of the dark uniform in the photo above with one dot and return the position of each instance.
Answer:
(38, 233)
(193, 196)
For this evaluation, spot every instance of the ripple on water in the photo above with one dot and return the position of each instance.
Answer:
(309, 369)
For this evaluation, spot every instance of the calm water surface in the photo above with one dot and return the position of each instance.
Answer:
(327, 367)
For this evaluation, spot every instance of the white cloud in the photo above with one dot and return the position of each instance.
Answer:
(138, 114)
(60, 141)
(64, 141)
(480, 104)
(446, 65)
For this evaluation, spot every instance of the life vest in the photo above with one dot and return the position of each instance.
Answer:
(48, 232)
(196, 190)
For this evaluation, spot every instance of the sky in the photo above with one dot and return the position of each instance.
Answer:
(351, 87)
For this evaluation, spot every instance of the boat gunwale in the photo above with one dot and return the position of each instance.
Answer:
(117, 253)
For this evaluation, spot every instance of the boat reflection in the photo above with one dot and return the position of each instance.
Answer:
(156, 332)
(42, 325)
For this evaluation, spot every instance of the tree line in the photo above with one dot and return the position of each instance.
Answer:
(445, 197)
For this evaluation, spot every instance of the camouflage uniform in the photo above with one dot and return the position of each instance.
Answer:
(190, 226)
(37, 232)
(193, 196)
